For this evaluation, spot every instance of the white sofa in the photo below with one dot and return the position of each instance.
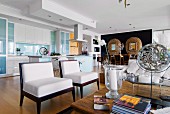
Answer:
(145, 76)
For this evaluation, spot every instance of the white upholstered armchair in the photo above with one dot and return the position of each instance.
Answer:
(70, 69)
(38, 83)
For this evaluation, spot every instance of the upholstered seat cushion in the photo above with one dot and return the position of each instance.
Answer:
(81, 77)
(37, 71)
(166, 83)
(132, 67)
(167, 74)
(46, 86)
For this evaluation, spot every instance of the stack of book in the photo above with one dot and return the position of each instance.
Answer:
(131, 105)
(101, 103)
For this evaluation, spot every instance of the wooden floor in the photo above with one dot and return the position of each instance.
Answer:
(9, 98)
(10, 94)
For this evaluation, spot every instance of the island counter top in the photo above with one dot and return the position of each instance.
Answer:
(40, 56)
(86, 62)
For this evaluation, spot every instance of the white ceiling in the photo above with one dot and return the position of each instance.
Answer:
(142, 14)
(19, 4)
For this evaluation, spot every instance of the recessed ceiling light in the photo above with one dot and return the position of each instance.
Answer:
(92, 21)
(20, 19)
(56, 28)
(134, 27)
(86, 28)
(49, 15)
(127, 4)
(130, 24)
(110, 27)
(60, 19)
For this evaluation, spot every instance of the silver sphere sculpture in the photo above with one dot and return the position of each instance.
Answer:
(153, 58)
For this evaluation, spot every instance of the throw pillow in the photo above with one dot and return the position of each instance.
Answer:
(167, 74)
(132, 67)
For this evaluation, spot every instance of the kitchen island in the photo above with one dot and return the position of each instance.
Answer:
(86, 62)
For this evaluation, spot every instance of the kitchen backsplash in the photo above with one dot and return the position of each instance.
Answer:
(30, 49)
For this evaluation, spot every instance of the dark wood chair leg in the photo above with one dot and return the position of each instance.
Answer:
(21, 99)
(73, 94)
(98, 84)
(81, 91)
(38, 107)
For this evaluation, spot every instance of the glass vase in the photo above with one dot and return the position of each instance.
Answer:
(113, 80)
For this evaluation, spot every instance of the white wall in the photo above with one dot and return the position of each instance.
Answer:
(93, 34)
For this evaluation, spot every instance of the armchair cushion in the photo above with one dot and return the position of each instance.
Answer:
(69, 67)
(167, 74)
(132, 67)
(160, 74)
(166, 83)
(37, 71)
(139, 72)
(82, 77)
(46, 86)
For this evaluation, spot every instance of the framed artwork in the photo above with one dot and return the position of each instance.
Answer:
(113, 47)
(133, 46)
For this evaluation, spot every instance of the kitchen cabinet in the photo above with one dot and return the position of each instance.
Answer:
(65, 43)
(3, 23)
(73, 50)
(12, 64)
(86, 62)
(10, 38)
(38, 35)
(53, 41)
(46, 37)
(30, 34)
(19, 33)
(73, 44)
(2, 65)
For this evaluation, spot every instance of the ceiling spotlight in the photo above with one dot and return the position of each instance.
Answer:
(49, 15)
(86, 28)
(110, 27)
(134, 27)
(125, 3)
(130, 24)
(120, 1)
(20, 19)
(60, 19)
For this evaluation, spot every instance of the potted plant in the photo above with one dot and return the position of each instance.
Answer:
(18, 50)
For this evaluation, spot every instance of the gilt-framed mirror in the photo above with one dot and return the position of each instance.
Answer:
(133, 45)
(113, 46)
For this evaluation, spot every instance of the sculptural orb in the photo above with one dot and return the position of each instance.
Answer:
(153, 57)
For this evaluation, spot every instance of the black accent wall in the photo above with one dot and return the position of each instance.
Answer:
(144, 35)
